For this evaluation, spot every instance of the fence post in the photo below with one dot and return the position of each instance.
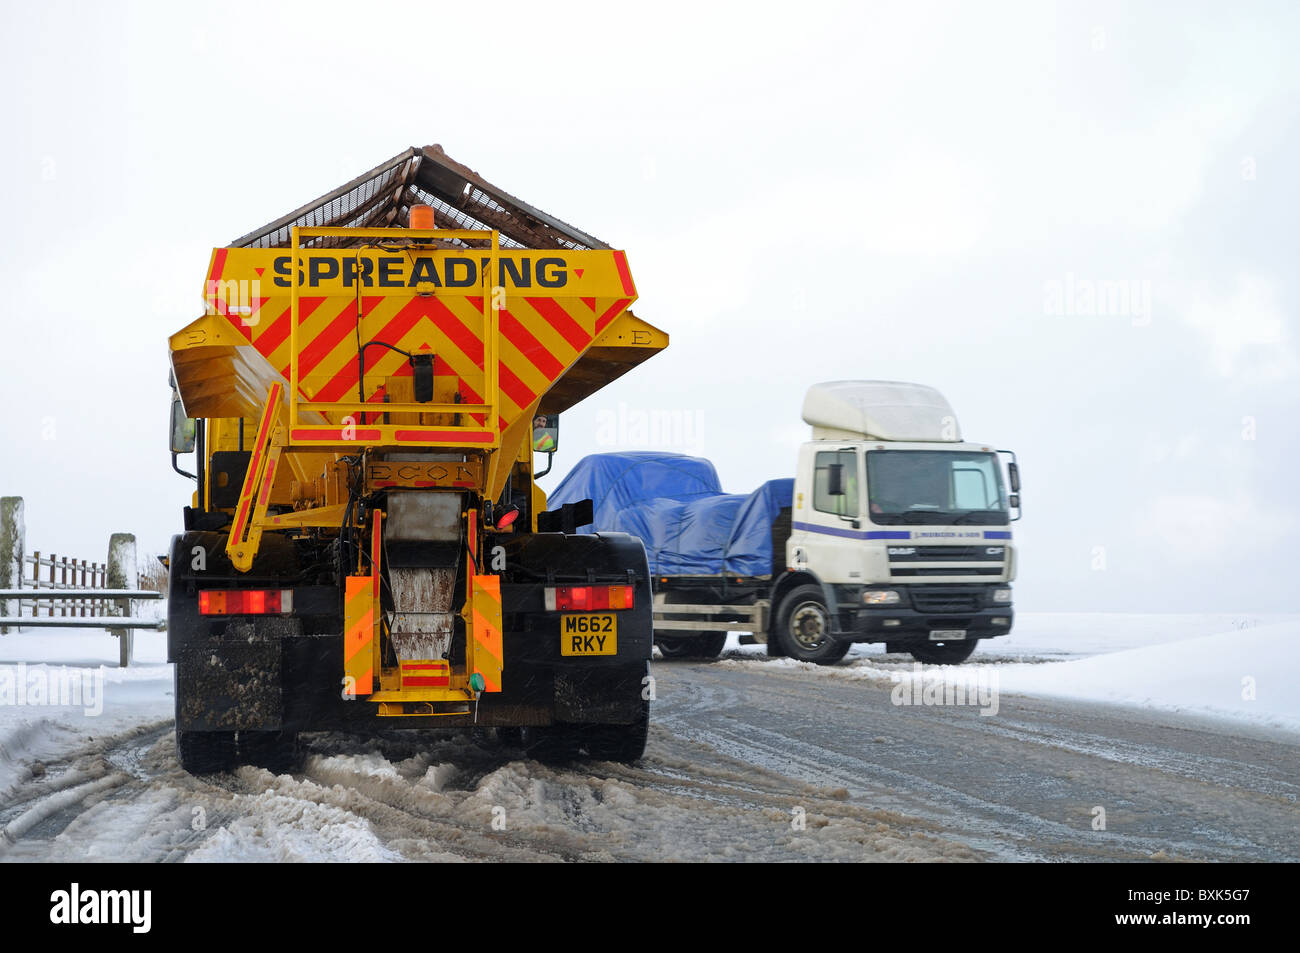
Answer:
(13, 535)
(121, 573)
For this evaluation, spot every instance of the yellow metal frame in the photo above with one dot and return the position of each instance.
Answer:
(311, 434)
(254, 496)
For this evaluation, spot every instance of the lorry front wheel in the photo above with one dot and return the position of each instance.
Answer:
(943, 653)
(803, 628)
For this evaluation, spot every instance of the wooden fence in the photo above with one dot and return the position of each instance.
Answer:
(69, 592)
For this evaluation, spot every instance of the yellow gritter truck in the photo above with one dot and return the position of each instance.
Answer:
(366, 546)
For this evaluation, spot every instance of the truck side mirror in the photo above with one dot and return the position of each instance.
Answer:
(182, 427)
(546, 439)
(1013, 472)
(835, 479)
(546, 433)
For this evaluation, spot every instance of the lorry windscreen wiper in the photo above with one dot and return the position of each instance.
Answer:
(920, 516)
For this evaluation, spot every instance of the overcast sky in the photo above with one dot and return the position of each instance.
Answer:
(805, 192)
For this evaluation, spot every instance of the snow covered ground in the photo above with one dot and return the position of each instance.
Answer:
(41, 667)
(1241, 667)
(92, 774)
(1237, 666)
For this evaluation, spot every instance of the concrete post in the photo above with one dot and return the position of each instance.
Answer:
(13, 540)
(122, 575)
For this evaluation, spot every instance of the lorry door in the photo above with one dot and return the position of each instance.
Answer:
(828, 529)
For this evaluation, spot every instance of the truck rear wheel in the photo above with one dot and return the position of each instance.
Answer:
(561, 743)
(702, 645)
(623, 743)
(943, 653)
(803, 628)
(551, 744)
(206, 752)
(276, 751)
(511, 736)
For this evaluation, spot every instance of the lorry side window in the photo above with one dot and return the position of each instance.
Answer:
(971, 489)
(846, 505)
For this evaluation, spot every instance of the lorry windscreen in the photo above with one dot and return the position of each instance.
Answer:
(935, 486)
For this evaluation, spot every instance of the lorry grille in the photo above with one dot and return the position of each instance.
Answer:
(946, 600)
(990, 570)
(914, 561)
(935, 554)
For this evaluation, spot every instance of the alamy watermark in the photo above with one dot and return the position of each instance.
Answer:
(975, 686)
(76, 905)
(1087, 297)
(53, 687)
(234, 298)
(626, 426)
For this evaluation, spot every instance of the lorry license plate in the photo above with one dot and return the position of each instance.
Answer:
(591, 633)
(947, 635)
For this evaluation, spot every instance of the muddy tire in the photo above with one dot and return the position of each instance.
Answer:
(206, 752)
(553, 744)
(511, 737)
(276, 751)
(622, 743)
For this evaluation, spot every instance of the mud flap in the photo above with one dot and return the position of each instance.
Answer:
(231, 684)
(599, 695)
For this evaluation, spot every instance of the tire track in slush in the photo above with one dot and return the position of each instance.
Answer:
(734, 752)
(1011, 784)
(42, 808)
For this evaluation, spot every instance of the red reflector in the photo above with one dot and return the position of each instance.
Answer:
(508, 517)
(590, 598)
(245, 601)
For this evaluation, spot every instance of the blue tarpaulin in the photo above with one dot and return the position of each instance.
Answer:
(675, 504)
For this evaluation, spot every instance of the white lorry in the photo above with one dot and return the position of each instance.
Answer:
(896, 531)
(901, 532)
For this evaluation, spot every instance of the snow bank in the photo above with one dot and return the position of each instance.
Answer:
(1246, 675)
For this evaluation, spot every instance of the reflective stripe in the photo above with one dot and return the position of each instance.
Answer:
(358, 635)
(486, 623)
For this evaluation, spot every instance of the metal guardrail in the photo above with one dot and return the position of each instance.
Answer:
(77, 622)
(80, 594)
(81, 622)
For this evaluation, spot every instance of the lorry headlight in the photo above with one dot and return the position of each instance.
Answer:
(1001, 595)
(881, 597)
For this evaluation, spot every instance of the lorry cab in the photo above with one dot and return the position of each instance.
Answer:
(905, 526)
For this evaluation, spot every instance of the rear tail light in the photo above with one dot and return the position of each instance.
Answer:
(587, 598)
(246, 602)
